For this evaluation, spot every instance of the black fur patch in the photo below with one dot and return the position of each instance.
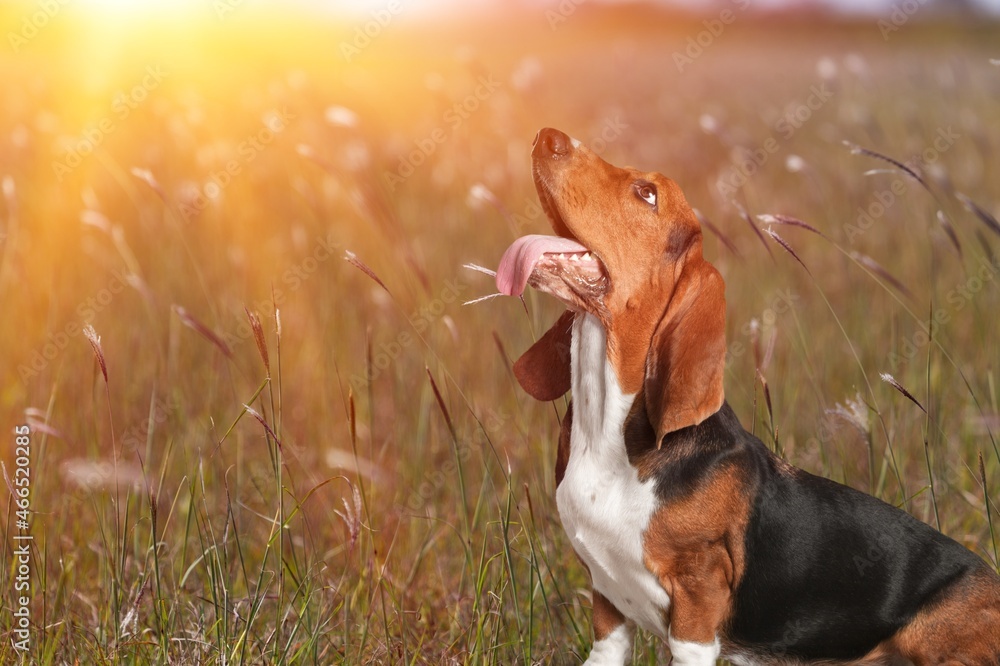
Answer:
(830, 572)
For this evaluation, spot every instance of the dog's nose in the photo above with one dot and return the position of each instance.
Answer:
(551, 143)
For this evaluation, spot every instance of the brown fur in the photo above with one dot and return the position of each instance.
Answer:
(543, 371)
(962, 627)
(664, 308)
(606, 618)
(695, 547)
(686, 358)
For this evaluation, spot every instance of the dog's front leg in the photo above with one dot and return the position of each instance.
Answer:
(612, 635)
(697, 607)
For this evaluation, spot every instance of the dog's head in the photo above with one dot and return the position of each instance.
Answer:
(628, 250)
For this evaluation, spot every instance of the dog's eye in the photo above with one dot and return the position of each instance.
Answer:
(646, 192)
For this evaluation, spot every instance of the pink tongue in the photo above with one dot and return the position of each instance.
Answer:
(520, 259)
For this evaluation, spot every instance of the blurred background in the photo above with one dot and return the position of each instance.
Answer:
(286, 440)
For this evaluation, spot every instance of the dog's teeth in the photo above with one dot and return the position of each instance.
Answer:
(586, 257)
(574, 257)
(561, 255)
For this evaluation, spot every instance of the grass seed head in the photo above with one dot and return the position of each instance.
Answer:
(258, 337)
(95, 342)
(891, 381)
(854, 411)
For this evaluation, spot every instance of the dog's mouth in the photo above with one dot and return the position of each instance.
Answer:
(559, 265)
(538, 259)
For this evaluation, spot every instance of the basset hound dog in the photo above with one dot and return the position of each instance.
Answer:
(690, 527)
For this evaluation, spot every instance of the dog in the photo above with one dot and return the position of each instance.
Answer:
(690, 527)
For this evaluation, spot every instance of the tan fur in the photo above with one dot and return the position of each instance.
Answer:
(695, 547)
(664, 308)
(963, 627)
(686, 358)
(606, 618)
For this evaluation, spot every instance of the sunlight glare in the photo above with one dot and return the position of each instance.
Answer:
(145, 7)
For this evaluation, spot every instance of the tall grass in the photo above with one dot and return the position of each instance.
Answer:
(271, 454)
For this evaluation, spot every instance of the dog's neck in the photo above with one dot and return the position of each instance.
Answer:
(600, 406)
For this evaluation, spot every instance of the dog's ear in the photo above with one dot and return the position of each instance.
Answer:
(687, 355)
(543, 371)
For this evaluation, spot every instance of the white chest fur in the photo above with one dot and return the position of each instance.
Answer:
(604, 507)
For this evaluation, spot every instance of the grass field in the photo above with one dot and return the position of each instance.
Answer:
(357, 478)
